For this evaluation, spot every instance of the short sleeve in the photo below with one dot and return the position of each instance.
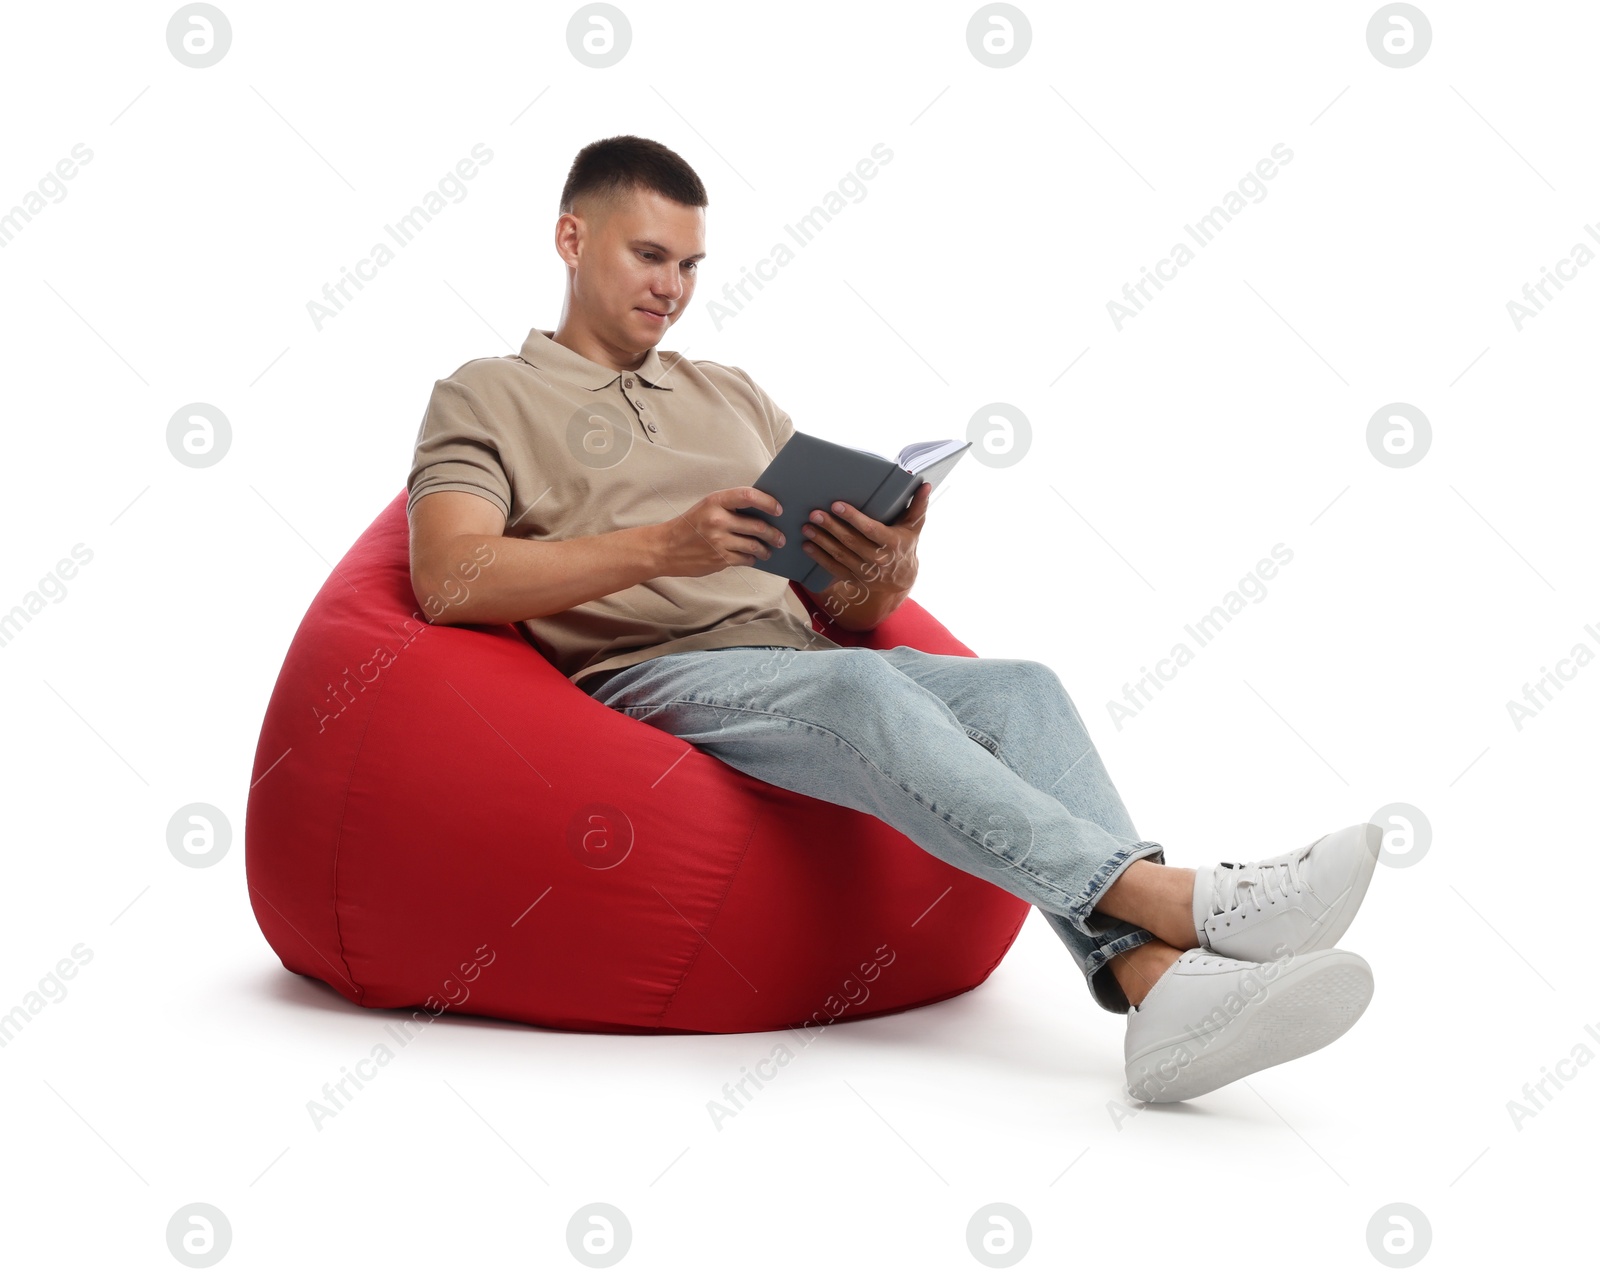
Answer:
(782, 432)
(776, 426)
(456, 450)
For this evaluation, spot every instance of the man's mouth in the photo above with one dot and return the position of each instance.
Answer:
(653, 313)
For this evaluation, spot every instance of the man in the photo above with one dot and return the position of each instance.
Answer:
(603, 483)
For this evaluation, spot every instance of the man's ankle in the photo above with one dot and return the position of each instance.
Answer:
(1138, 969)
(1159, 899)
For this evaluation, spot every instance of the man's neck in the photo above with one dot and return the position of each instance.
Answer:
(582, 341)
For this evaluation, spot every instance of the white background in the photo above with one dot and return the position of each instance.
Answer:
(1229, 416)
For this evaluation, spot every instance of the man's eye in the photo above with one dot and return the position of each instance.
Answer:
(651, 256)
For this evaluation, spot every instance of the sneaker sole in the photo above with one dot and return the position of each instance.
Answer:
(1304, 1010)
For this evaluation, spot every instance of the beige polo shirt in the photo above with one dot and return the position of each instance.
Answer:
(566, 447)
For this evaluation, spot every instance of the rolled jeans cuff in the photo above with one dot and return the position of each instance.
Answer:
(1103, 987)
(1081, 912)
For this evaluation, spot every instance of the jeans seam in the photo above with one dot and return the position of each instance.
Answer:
(988, 743)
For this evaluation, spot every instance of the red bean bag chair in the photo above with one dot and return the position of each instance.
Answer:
(438, 818)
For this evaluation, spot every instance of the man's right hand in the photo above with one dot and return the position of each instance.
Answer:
(710, 536)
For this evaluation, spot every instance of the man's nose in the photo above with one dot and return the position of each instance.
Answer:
(672, 287)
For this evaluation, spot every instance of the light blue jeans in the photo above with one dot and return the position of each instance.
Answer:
(983, 762)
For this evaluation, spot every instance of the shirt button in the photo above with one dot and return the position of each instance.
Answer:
(628, 383)
(651, 427)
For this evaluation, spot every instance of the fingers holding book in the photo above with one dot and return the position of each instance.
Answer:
(850, 544)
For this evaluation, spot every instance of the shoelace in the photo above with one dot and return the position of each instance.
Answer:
(1204, 958)
(1261, 884)
(1198, 958)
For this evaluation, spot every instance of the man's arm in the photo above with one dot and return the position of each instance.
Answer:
(854, 605)
(464, 569)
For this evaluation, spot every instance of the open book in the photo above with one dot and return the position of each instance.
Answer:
(810, 472)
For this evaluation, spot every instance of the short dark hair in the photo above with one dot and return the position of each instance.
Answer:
(612, 168)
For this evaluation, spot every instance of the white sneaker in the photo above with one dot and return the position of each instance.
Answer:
(1299, 902)
(1211, 1020)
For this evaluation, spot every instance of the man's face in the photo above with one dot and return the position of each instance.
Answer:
(637, 267)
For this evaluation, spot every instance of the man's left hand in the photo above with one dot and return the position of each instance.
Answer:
(851, 545)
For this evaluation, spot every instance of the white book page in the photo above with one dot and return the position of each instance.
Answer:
(919, 455)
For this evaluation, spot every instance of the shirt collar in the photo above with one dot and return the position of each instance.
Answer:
(542, 351)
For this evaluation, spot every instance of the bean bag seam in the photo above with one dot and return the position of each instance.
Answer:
(705, 937)
(344, 804)
(309, 943)
(1006, 949)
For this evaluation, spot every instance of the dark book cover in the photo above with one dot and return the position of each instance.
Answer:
(811, 472)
